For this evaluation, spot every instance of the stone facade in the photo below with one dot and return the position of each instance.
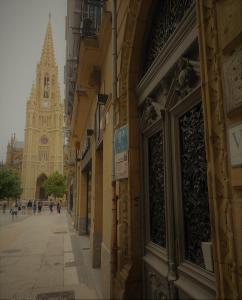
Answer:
(14, 157)
(44, 136)
(171, 228)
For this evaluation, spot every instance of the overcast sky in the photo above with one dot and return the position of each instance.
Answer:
(23, 25)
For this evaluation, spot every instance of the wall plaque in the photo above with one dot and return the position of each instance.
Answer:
(235, 144)
(232, 70)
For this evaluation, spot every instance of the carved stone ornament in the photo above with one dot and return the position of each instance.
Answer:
(220, 193)
(232, 70)
(186, 76)
(155, 290)
(150, 111)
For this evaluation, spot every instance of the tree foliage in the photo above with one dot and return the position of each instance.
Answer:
(55, 185)
(10, 184)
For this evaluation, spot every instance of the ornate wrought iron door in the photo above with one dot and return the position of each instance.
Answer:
(156, 189)
(167, 17)
(194, 184)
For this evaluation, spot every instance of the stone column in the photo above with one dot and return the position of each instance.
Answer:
(219, 24)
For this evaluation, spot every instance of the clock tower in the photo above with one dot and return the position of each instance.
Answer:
(44, 133)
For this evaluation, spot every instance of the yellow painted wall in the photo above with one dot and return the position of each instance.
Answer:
(107, 180)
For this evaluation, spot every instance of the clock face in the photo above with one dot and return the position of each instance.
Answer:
(45, 104)
(44, 140)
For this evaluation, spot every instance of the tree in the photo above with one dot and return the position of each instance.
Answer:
(10, 184)
(55, 185)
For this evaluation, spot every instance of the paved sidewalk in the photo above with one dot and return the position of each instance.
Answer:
(42, 254)
(6, 218)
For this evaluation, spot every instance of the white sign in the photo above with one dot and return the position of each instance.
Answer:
(235, 144)
(121, 165)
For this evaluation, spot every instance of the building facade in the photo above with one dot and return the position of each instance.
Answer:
(14, 155)
(44, 129)
(154, 112)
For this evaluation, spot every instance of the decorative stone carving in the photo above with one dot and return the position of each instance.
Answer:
(124, 222)
(155, 289)
(232, 71)
(220, 193)
(186, 76)
(150, 111)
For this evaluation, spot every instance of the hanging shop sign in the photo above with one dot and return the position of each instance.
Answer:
(121, 152)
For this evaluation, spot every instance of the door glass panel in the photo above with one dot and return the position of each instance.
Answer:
(194, 184)
(156, 189)
(165, 20)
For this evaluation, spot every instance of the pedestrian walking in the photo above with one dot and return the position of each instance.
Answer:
(23, 203)
(19, 206)
(34, 207)
(14, 210)
(39, 207)
(51, 207)
(58, 207)
(29, 206)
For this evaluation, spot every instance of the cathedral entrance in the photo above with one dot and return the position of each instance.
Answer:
(40, 192)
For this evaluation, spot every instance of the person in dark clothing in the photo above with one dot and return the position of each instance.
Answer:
(29, 206)
(39, 207)
(34, 207)
(51, 206)
(58, 207)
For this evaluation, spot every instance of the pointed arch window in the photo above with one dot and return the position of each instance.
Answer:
(46, 86)
(52, 85)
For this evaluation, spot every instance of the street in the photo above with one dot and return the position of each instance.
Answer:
(42, 256)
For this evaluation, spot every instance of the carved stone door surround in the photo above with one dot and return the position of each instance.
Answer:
(169, 90)
(167, 269)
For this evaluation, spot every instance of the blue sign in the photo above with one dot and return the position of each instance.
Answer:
(121, 139)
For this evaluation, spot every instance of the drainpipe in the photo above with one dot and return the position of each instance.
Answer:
(114, 100)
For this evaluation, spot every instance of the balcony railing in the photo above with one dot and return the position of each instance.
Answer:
(90, 12)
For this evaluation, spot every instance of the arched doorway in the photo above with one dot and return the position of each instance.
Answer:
(40, 192)
(169, 139)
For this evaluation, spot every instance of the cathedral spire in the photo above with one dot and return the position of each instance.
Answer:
(47, 55)
(33, 92)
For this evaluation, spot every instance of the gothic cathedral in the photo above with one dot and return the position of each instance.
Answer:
(44, 133)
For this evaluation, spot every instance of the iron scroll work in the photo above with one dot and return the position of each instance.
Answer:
(167, 17)
(156, 190)
(194, 184)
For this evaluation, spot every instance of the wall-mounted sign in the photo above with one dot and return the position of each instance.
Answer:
(235, 144)
(233, 80)
(121, 152)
